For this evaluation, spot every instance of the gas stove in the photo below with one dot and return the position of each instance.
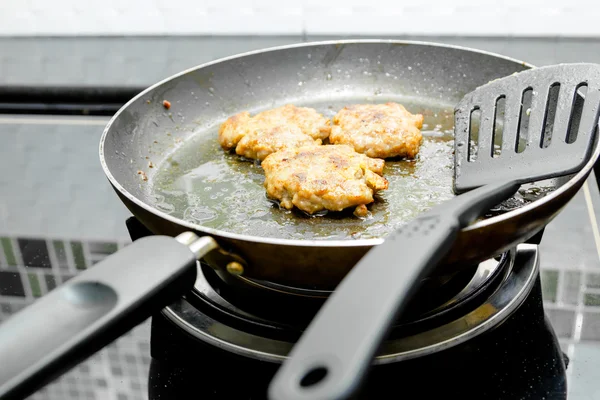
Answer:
(483, 335)
(76, 239)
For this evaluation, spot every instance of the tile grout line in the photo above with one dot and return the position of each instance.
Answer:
(592, 290)
(42, 282)
(560, 283)
(566, 307)
(69, 257)
(3, 260)
(106, 364)
(87, 256)
(592, 270)
(16, 251)
(26, 284)
(55, 264)
(579, 311)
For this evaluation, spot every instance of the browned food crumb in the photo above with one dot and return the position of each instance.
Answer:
(143, 174)
(272, 130)
(147, 158)
(150, 165)
(156, 141)
(317, 178)
(361, 211)
(147, 101)
(166, 104)
(378, 130)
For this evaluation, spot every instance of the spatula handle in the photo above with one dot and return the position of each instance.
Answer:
(332, 356)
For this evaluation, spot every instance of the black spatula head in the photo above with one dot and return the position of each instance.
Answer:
(533, 125)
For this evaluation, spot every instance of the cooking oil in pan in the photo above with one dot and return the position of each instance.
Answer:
(205, 185)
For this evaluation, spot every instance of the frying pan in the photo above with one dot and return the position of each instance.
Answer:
(284, 247)
(165, 166)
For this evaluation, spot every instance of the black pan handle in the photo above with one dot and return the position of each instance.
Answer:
(332, 356)
(92, 309)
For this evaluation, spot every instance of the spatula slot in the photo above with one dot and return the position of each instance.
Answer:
(549, 115)
(576, 110)
(496, 148)
(523, 134)
(474, 124)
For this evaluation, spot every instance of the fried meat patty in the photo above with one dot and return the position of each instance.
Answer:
(316, 178)
(260, 143)
(378, 130)
(272, 130)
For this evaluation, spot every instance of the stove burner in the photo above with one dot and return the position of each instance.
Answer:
(209, 317)
(282, 312)
(502, 349)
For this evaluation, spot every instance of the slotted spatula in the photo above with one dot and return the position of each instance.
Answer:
(331, 358)
(559, 137)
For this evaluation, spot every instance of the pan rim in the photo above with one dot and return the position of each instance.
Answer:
(311, 242)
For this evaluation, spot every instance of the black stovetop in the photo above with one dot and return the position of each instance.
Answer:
(521, 359)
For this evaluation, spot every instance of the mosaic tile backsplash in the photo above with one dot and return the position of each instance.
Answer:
(30, 268)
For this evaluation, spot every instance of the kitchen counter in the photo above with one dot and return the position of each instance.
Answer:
(144, 61)
(52, 228)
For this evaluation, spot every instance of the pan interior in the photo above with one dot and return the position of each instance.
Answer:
(202, 184)
(170, 160)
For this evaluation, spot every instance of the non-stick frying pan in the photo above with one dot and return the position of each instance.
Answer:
(195, 186)
(167, 168)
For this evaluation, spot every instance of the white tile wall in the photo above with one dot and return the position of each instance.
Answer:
(53, 185)
(276, 17)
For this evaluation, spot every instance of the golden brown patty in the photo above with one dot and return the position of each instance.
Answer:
(272, 130)
(260, 143)
(316, 178)
(378, 130)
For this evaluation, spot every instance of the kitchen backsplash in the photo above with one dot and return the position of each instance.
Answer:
(302, 17)
(31, 267)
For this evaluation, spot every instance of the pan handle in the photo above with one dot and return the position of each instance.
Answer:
(332, 356)
(92, 309)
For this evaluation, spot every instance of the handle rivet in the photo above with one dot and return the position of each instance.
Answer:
(235, 268)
